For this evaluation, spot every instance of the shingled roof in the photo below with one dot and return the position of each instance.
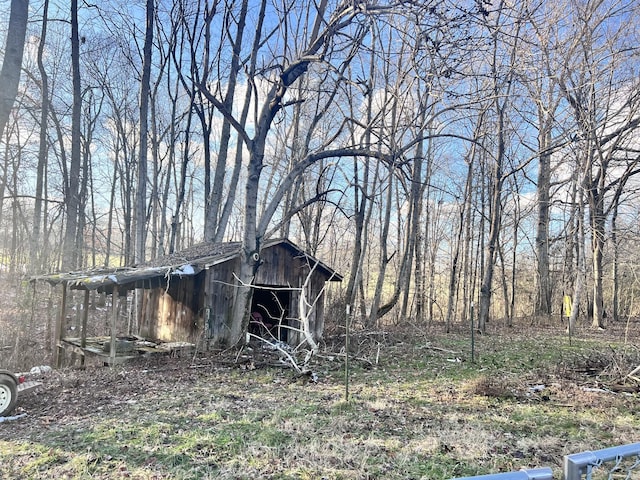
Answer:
(189, 261)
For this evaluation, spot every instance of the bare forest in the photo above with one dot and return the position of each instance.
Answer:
(456, 161)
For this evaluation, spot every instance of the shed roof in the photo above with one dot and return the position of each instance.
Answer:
(187, 262)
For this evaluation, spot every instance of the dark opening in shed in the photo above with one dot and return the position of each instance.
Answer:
(270, 311)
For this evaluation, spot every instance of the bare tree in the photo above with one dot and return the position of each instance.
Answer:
(12, 62)
(503, 49)
(92, 109)
(545, 94)
(461, 242)
(604, 99)
(72, 180)
(215, 218)
(363, 188)
(272, 104)
(38, 208)
(145, 88)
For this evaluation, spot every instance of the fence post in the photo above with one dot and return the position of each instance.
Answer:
(575, 465)
(578, 464)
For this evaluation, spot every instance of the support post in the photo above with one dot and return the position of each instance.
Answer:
(346, 354)
(83, 329)
(114, 318)
(57, 335)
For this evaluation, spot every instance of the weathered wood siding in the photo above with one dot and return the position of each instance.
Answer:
(219, 296)
(278, 268)
(193, 305)
(174, 312)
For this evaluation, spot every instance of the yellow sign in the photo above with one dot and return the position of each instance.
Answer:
(566, 306)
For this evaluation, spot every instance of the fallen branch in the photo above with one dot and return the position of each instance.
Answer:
(632, 373)
(357, 359)
(439, 349)
(278, 347)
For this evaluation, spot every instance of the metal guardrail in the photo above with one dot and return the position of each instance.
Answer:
(624, 460)
(536, 474)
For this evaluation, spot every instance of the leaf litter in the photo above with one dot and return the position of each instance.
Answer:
(412, 412)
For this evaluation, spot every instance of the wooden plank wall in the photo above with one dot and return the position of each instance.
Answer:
(179, 312)
(175, 313)
(219, 298)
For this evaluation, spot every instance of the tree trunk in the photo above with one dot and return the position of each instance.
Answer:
(495, 222)
(175, 221)
(501, 90)
(490, 252)
(543, 284)
(615, 270)
(72, 191)
(402, 281)
(580, 277)
(360, 200)
(385, 220)
(12, 62)
(242, 141)
(463, 239)
(454, 272)
(597, 244)
(215, 201)
(110, 214)
(145, 89)
(417, 191)
(36, 262)
(250, 254)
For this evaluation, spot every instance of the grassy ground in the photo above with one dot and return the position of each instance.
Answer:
(418, 409)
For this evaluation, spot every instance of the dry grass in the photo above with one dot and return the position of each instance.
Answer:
(421, 411)
(414, 415)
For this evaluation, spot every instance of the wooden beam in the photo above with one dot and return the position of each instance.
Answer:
(83, 329)
(57, 345)
(114, 318)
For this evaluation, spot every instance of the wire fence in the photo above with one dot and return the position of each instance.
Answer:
(609, 463)
(621, 462)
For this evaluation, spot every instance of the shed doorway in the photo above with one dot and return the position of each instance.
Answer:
(270, 312)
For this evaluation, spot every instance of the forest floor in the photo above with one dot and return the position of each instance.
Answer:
(418, 408)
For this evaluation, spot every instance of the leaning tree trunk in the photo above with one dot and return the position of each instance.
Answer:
(37, 263)
(215, 200)
(495, 224)
(385, 220)
(360, 200)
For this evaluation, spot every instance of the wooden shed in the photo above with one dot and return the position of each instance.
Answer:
(188, 296)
